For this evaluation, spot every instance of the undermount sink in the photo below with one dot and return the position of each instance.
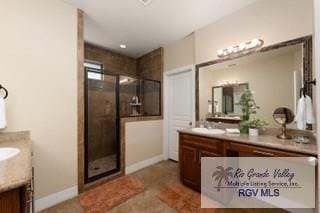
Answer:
(208, 131)
(6, 153)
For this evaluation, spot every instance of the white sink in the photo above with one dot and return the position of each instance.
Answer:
(6, 153)
(208, 131)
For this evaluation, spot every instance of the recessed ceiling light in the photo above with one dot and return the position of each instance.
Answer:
(123, 46)
(145, 2)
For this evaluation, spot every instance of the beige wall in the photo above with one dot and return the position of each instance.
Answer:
(180, 53)
(143, 140)
(269, 75)
(271, 20)
(38, 67)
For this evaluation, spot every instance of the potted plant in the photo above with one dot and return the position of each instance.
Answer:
(247, 104)
(248, 108)
(254, 125)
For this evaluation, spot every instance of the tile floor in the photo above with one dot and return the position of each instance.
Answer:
(155, 178)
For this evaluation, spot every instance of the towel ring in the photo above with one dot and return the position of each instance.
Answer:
(5, 90)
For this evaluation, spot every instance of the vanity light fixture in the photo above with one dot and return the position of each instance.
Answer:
(227, 83)
(246, 46)
(123, 46)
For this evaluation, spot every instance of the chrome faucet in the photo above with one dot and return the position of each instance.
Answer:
(209, 125)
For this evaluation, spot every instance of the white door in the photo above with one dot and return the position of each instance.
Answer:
(181, 107)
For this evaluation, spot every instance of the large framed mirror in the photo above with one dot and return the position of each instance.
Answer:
(274, 73)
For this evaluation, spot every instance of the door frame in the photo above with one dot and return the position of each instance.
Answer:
(166, 75)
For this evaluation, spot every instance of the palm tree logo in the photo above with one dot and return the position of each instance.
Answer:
(222, 174)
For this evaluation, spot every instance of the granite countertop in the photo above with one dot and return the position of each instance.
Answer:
(15, 171)
(264, 140)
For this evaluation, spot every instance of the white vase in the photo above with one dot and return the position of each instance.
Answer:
(253, 132)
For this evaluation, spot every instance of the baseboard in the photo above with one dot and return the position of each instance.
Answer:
(142, 164)
(55, 198)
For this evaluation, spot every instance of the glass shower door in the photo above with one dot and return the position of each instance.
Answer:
(102, 150)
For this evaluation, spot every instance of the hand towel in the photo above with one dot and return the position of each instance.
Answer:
(209, 108)
(3, 121)
(233, 131)
(309, 111)
(304, 114)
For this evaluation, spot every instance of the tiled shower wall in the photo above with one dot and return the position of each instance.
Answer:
(150, 66)
(112, 62)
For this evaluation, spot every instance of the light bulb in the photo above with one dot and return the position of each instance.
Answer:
(230, 50)
(242, 46)
(255, 42)
(220, 52)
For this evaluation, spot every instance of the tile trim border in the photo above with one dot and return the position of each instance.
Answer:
(80, 98)
(142, 164)
(55, 198)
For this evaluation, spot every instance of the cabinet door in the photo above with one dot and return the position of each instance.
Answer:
(10, 201)
(202, 154)
(189, 170)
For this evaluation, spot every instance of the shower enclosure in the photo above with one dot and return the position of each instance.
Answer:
(102, 150)
(108, 97)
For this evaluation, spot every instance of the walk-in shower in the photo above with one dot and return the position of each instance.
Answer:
(108, 97)
(102, 149)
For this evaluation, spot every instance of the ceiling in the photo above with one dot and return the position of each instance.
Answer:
(109, 23)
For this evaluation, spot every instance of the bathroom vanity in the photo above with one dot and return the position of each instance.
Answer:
(15, 172)
(193, 146)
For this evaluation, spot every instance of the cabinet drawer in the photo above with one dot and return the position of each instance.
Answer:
(210, 144)
(262, 152)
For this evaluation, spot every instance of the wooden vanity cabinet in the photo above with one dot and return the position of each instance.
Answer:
(15, 200)
(192, 148)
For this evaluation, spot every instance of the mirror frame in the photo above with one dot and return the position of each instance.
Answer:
(306, 42)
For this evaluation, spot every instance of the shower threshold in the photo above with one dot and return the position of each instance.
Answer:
(102, 165)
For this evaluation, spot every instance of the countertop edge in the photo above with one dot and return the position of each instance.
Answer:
(12, 186)
(233, 138)
(14, 136)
